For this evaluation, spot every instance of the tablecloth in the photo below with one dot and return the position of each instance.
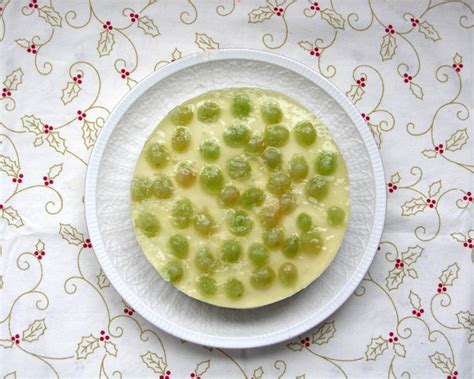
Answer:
(406, 65)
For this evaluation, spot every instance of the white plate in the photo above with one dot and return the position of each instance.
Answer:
(107, 201)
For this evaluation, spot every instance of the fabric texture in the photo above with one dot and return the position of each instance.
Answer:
(406, 65)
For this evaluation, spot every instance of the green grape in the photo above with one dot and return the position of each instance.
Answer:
(231, 251)
(204, 223)
(234, 288)
(279, 183)
(237, 135)
(291, 246)
(272, 158)
(304, 222)
(262, 277)
(271, 112)
(312, 241)
(276, 135)
(298, 168)
(252, 197)
(287, 203)
(287, 274)
(229, 195)
(178, 245)
(326, 163)
(210, 150)
(211, 178)
(173, 271)
(208, 112)
(335, 216)
(258, 254)
(239, 222)
(204, 260)
(181, 139)
(157, 155)
(181, 115)
(269, 214)
(141, 188)
(256, 144)
(273, 238)
(317, 187)
(148, 224)
(241, 106)
(207, 286)
(305, 133)
(182, 213)
(185, 174)
(239, 168)
(163, 187)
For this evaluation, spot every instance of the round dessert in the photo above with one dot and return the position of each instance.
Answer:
(240, 197)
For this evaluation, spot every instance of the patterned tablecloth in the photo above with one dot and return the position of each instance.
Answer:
(406, 65)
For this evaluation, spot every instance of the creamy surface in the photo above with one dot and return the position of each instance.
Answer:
(309, 266)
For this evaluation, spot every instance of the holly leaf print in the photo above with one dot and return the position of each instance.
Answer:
(413, 206)
(131, 83)
(90, 131)
(399, 349)
(102, 280)
(434, 189)
(32, 124)
(55, 170)
(146, 24)
(50, 15)
(6, 344)
(377, 134)
(332, 18)
(412, 273)
(457, 140)
(388, 47)
(204, 42)
(324, 333)
(34, 331)
(70, 92)
(306, 45)
(260, 14)
(9, 166)
(57, 142)
(460, 237)
(110, 348)
(39, 245)
(429, 31)
(457, 59)
(10, 375)
(442, 362)
(411, 255)
(302, 376)
(87, 346)
(376, 347)
(14, 79)
(415, 300)
(202, 367)
(395, 178)
(449, 275)
(466, 319)
(23, 43)
(294, 346)
(38, 141)
(71, 234)
(11, 215)
(416, 90)
(106, 43)
(176, 54)
(154, 362)
(395, 278)
(355, 93)
(258, 373)
(429, 153)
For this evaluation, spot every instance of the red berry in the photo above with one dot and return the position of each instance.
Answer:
(412, 19)
(133, 20)
(101, 338)
(9, 93)
(89, 246)
(36, 253)
(386, 30)
(418, 314)
(413, 312)
(88, 240)
(444, 289)
(363, 84)
(440, 145)
(390, 184)
(470, 245)
(436, 148)
(43, 253)
(390, 340)
(1, 206)
(127, 73)
(192, 375)
(14, 180)
(406, 80)
(110, 27)
(458, 70)
(395, 187)
(28, 50)
(390, 334)
(312, 7)
(398, 260)
(390, 190)
(422, 310)
(107, 22)
(84, 245)
(395, 339)
(465, 244)
(168, 372)
(439, 290)
(405, 75)
(410, 77)
(311, 52)
(107, 338)
(448, 377)
(455, 373)
(402, 264)
(131, 14)
(275, 9)
(12, 338)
